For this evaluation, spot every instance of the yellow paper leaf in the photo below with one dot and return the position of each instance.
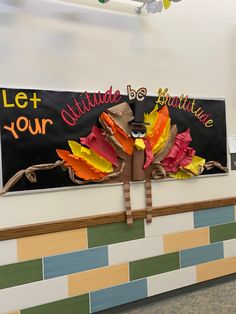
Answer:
(180, 175)
(151, 118)
(91, 157)
(196, 165)
(194, 169)
(167, 4)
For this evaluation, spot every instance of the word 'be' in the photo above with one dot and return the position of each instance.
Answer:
(139, 95)
(21, 100)
(23, 124)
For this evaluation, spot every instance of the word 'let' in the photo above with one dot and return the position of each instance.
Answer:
(184, 103)
(21, 100)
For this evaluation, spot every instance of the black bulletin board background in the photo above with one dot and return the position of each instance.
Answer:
(17, 154)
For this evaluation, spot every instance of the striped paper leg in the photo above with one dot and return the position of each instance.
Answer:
(128, 211)
(148, 193)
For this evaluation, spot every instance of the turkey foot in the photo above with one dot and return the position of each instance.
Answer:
(148, 194)
(128, 211)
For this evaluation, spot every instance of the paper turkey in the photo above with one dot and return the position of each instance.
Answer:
(131, 145)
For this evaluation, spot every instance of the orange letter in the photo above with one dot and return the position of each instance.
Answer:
(18, 121)
(11, 129)
(37, 127)
(44, 123)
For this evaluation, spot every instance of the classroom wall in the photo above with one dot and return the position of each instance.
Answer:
(189, 49)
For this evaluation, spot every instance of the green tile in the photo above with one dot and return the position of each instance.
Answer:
(223, 232)
(20, 273)
(154, 265)
(115, 232)
(75, 305)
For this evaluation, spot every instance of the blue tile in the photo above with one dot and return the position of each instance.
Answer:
(75, 262)
(122, 294)
(202, 254)
(214, 216)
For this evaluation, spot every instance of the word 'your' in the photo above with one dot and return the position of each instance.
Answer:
(23, 124)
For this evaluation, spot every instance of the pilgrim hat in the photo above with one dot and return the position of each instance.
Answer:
(138, 110)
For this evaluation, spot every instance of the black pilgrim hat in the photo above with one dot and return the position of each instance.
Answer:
(138, 108)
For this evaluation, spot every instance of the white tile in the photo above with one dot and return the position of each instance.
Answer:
(169, 224)
(33, 294)
(135, 250)
(230, 248)
(171, 280)
(8, 252)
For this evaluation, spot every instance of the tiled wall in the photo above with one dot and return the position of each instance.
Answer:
(96, 268)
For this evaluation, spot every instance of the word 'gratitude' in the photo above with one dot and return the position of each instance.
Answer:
(185, 104)
(73, 112)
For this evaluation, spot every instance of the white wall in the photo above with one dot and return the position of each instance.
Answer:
(190, 49)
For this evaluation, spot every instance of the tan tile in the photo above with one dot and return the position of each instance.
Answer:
(51, 244)
(216, 269)
(184, 240)
(97, 279)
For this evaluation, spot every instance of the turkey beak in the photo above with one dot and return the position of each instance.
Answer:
(139, 144)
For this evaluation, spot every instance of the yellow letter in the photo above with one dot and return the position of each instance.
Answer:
(34, 99)
(4, 97)
(21, 95)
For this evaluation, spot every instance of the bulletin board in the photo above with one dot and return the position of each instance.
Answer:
(36, 124)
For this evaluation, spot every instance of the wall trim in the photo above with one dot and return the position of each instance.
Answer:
(83, 222)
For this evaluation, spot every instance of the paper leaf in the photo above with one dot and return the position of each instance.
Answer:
(163, 117)
(159, 156)
(82, 169)
(122, 115)
(163, 138)
(96, 140)
(90, 157)
(151, 119)
(148, 154)
(180, 154)
(180, 175)
(196, 166)
(122, 137)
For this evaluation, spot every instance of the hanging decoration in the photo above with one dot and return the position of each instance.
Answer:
(155, 6)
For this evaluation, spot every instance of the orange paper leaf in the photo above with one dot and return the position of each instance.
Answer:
(159, 126)
(82, 169)
(122, 137)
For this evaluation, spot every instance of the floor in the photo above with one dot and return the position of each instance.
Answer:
(216, 298)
